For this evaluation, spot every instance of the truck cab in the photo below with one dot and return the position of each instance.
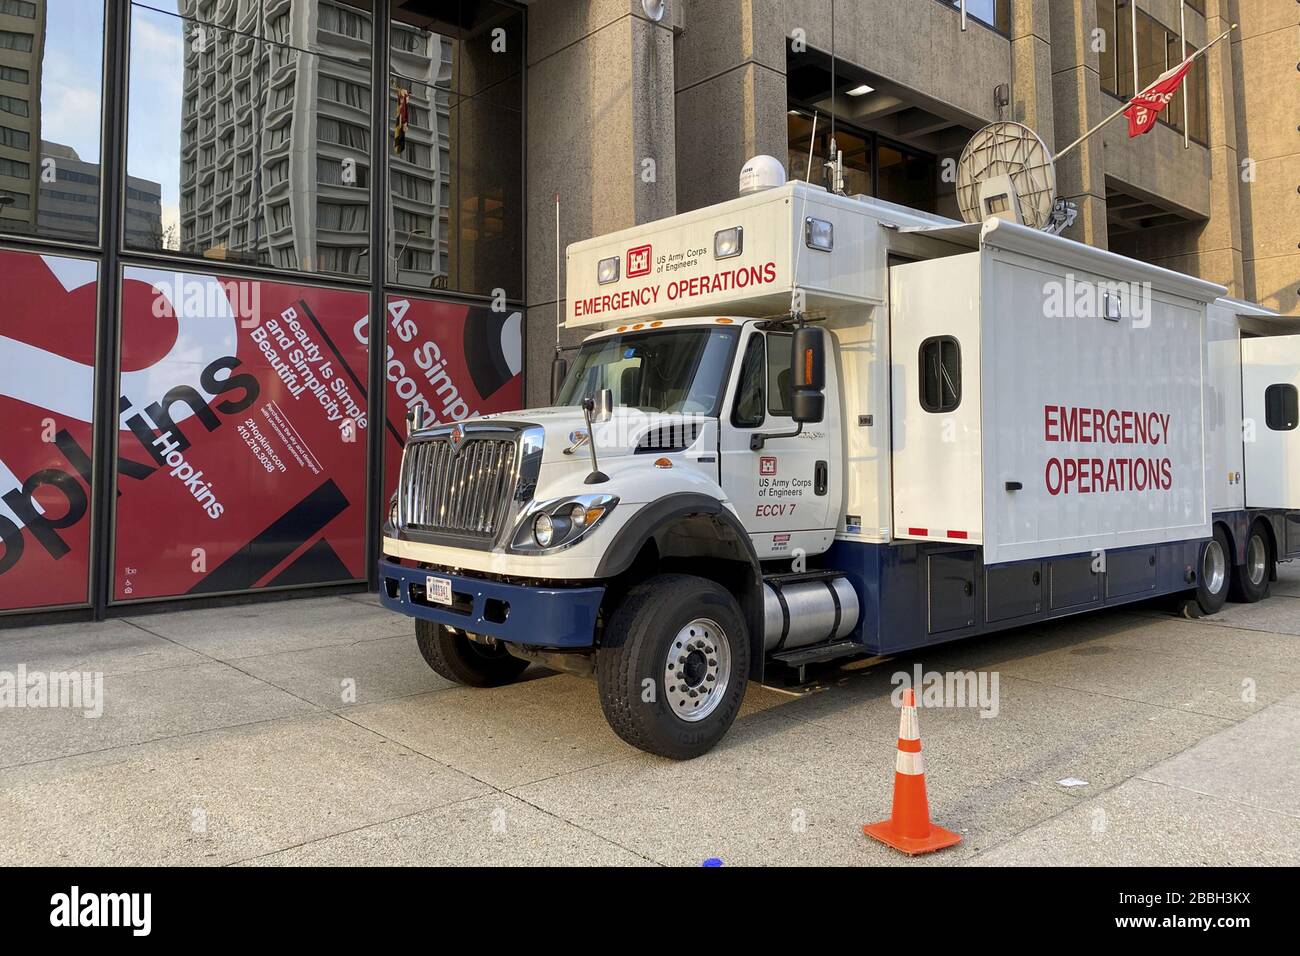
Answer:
(805, 426)
(626, 530)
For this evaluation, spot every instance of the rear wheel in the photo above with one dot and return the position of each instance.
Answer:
(1215, 574)
(673, 666)
(457, 658)
(1250, 580)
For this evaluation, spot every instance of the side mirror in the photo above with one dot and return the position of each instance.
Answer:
(808, 376)
(604, 406)
(559, 369)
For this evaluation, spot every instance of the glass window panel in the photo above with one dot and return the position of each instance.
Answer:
(254, 119)
(455, 188)
(1151, 50)
(907, 178)
(856, 148)
(779, 394)
(747, 408)
(51, 82)
(1106, 57)
(995, 13)
(1124, 49)
(46, 440)
(1173, 113)
(1198, 101)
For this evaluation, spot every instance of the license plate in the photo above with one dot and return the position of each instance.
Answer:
(438, 590)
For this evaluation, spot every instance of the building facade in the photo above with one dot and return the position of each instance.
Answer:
(194, 196)
(1211, 191)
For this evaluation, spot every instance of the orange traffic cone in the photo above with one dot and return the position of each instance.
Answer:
(909, 828)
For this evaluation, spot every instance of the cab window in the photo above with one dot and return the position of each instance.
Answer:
(778, 374)
(747, 412)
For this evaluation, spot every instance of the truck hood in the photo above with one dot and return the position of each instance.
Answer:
(629, 430)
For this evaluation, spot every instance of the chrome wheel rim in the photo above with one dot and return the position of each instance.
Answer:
(697, 670)
(1214, 567)
(1256, 559)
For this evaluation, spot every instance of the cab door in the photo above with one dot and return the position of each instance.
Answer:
(782, 491)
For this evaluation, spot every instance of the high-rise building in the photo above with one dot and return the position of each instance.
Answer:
(275, 138)
(22, 48)
(68, 200)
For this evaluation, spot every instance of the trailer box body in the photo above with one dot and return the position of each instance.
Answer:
(1047, 400)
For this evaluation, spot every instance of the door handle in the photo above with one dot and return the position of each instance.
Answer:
(821, 478)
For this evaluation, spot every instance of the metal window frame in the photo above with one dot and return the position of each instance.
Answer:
(107, 249)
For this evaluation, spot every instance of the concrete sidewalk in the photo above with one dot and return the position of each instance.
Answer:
(311, 731)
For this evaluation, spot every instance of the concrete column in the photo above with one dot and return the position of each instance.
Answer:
(730, 94)
(1031, 68)
(1267, 106)
(1077, 101)
(601, 134)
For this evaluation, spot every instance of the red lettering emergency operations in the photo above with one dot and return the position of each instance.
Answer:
(728, 280)
(1106, 426)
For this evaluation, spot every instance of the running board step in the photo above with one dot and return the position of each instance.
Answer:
(801, 656)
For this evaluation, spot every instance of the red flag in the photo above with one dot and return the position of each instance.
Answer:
(1146, 106)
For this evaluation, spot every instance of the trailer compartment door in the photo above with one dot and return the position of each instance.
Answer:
(1270, 381)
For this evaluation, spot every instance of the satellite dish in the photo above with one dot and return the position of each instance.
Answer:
(1007, 171)
(654, 9)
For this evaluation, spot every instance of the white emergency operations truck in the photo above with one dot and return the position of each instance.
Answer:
(808, 426)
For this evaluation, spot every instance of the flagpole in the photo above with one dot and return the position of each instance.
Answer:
(1182, 46)
(1129, 103)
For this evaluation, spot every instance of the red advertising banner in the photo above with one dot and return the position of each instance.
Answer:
(454, 361)
(242, 454)
(47, 389)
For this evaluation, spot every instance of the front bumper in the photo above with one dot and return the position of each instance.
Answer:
(514, 613)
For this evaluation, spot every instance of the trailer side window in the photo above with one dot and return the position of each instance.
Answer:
(748, 409)
(1281, 407)
(940, 374)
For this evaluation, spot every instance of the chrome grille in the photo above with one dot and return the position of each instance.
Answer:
(463, 491)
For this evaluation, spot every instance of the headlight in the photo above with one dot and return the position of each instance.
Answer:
(543, 530)
(560, 522)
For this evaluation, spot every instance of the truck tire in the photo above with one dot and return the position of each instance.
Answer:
(455, 657)
(673, 666)
(1215, 575)
(1250, 580)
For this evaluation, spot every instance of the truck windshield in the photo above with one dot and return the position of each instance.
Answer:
(669, 370)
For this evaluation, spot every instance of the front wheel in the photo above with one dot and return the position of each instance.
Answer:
(1250, 580)
(674, 665)
(457, 658)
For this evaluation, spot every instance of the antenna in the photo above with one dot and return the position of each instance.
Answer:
(803, 210)
(558, 322)
(812, 141)
(831, 155)
(1007, 171)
